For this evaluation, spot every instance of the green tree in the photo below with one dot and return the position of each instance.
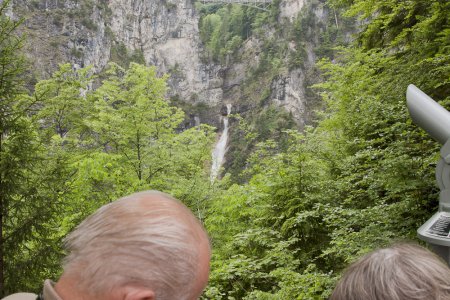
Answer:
(208, 25)
(68, 149)
(134, 120)
(136, 144)
(29, 190)
(64, 104)
(17, 147)
(224, 30)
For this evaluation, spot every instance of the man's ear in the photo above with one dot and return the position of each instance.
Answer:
(139, 293)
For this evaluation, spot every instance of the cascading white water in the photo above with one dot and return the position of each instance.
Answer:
(197, 121)
(218, 154)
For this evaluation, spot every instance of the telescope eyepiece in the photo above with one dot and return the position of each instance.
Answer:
(428, 114)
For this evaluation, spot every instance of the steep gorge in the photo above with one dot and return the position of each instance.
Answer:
(165, 33)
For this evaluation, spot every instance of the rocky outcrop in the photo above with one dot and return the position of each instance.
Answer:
(86, 32)
(63, 31)
(290, 8)
(288, 93)
(165, 33)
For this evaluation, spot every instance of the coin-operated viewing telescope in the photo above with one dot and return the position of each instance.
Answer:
(435, 120)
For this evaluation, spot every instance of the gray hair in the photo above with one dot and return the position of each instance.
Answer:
(400, 272)
(147, 239)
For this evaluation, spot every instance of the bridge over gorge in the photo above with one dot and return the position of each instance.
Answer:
(259, 4)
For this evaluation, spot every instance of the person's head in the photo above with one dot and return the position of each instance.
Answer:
(144, 246)
(400, 272)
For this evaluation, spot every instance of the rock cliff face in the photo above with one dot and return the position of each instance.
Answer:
(166, 32)
(86, 32)
(290, 8)
(163, 32)
(289, 89)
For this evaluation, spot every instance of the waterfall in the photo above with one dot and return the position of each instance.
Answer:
(196, 121)
(218, 154)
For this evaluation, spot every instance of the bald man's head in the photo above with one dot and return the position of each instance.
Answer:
(147, 240)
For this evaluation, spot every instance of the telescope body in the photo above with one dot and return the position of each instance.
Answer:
(435, 120)
(428, 114)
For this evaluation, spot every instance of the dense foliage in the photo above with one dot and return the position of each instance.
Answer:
(68, 148)
(361, 178)
(224, 28)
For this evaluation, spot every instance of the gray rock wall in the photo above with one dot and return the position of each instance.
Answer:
(166, 32)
